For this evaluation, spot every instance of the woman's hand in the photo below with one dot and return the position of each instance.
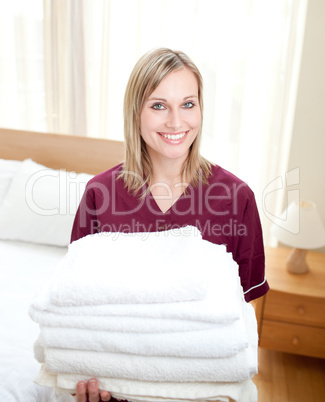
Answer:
(89, 392)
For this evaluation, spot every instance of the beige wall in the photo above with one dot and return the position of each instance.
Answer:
(308, 141)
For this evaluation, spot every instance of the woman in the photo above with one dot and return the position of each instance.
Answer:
(165, 183)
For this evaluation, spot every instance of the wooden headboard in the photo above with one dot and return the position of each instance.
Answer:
(60, 151)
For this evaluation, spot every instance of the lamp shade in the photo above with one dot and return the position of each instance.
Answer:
(301, 226)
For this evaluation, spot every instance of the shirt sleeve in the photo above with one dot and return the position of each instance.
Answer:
(250, 254)
(85, 221)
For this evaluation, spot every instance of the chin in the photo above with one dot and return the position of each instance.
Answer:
(177, 155)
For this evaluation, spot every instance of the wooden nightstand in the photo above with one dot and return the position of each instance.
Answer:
(291, 316)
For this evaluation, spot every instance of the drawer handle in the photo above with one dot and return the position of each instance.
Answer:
(301, 310)
(295, 341)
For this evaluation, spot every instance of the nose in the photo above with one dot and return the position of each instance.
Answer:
(174, 120)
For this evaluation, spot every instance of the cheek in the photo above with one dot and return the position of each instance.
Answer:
(147, 121)
(195, 119)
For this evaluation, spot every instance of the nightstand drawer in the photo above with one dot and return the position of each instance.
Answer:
(291, 308)
(291, 338)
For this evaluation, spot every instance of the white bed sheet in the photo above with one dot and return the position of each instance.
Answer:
(24, 269)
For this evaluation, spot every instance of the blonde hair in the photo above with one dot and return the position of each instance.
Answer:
(145, 77)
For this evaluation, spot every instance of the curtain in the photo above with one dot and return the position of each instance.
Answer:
(22, 94)
(65, 65)
(248, 52)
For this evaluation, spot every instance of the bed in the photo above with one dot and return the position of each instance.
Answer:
(42, 177)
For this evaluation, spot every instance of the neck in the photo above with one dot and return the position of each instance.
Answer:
(167, 171)
(167, 183)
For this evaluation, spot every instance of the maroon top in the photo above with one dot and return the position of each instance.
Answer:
(224, 211)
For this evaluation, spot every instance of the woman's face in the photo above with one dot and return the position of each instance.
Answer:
(170, 118)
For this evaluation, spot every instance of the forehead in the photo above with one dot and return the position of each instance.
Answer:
(182, 82)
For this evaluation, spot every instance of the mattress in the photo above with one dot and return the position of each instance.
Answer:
(24, 269)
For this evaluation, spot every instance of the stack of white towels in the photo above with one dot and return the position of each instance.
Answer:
(154, 316)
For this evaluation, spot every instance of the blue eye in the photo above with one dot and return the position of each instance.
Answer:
(158, 106)
(188, 105)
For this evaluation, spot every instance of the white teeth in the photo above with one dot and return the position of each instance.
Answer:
(173, 136)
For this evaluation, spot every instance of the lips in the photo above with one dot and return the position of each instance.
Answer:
(175, 136)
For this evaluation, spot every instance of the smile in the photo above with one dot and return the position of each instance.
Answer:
(174, 136)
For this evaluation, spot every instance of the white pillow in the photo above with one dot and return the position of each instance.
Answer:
(8, 168)
(40, 204)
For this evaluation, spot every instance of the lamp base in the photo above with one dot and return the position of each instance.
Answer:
(296, 262)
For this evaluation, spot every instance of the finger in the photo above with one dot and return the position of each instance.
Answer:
(81, 392)
(105, 396)
(93, 391)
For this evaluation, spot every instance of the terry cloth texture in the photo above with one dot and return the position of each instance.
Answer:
(102, 323)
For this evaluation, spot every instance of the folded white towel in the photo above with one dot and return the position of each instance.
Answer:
(170, 266)
(152, 368)
(119, 324)
(220, 305)
(242, 391)
(214, 309)
(220, 341)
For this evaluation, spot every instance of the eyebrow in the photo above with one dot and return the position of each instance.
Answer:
(165, 100)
